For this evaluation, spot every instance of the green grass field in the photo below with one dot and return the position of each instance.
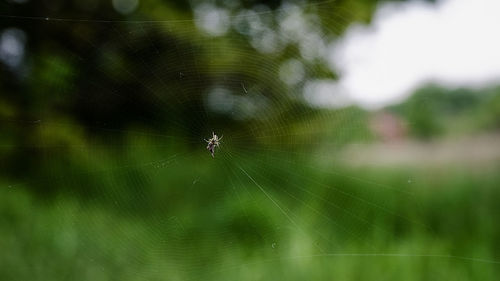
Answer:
(235, 217)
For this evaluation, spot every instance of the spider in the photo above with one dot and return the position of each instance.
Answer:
(213, 143)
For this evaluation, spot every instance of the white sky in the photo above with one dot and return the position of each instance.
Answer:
(454, 43)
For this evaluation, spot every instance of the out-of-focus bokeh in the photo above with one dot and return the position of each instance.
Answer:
(360, 140)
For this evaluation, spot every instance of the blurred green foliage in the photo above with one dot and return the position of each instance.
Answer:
(432, 111)
(152, 225)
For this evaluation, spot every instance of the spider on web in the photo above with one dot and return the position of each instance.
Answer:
(213, 143)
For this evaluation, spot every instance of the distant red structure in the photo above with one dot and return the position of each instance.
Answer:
(388, 127)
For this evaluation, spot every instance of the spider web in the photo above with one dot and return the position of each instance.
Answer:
(143, 199)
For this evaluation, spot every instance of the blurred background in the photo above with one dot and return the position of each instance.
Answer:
(361, 140)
